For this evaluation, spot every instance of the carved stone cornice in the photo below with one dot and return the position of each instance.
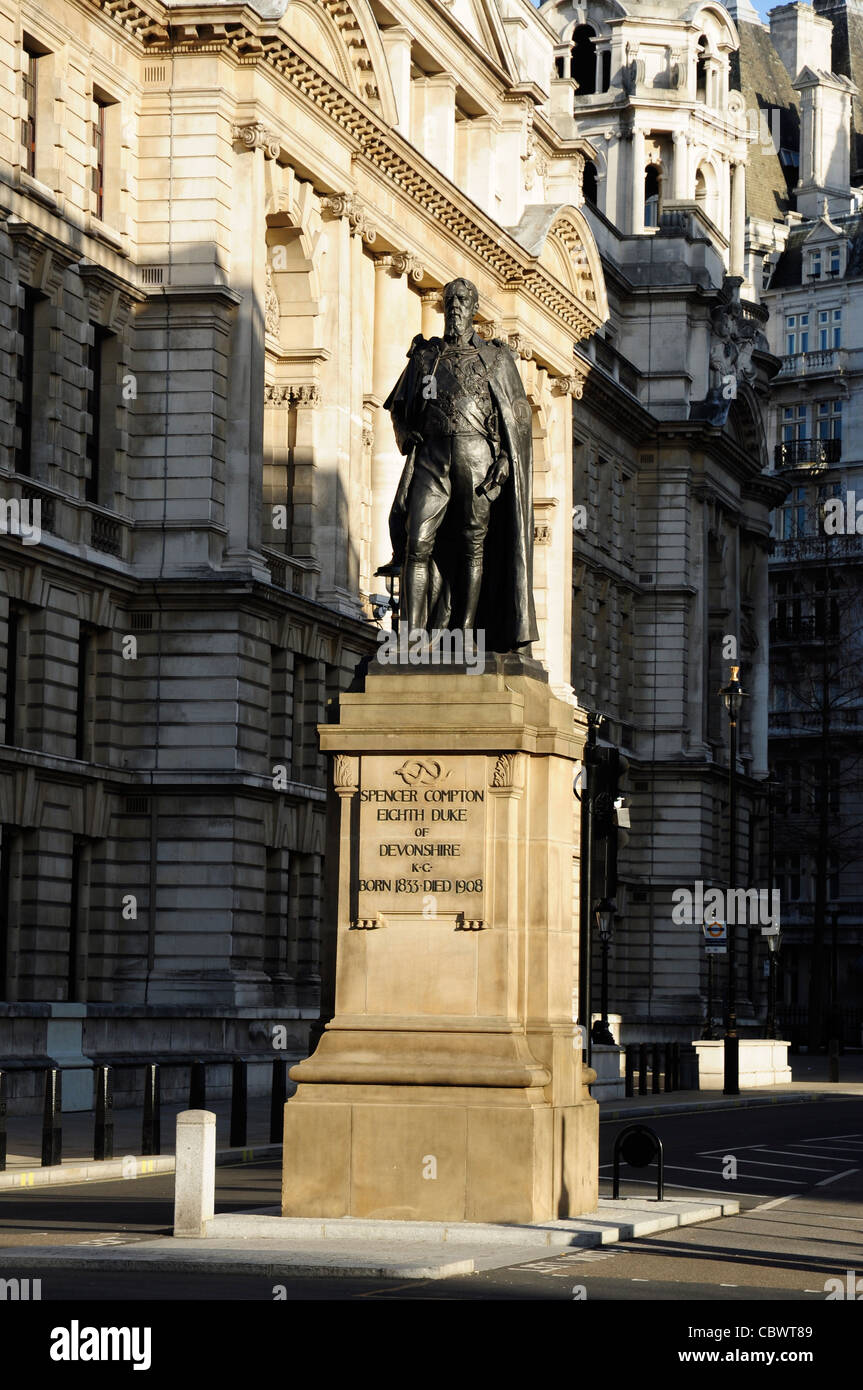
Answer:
(255, 136)
(339, 205)
(111, 298)
(42, 258)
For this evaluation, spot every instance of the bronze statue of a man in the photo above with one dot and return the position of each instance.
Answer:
(462, 520)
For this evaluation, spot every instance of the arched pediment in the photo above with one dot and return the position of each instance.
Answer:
(343, 36)
(746, 426)
(715, 21)
(570, 254)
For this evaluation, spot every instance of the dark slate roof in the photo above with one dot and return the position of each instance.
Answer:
(764, 83)
(789, 269)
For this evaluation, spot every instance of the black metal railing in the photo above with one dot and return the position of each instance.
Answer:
(655, 1064)
(797, 453)
(151, 1143)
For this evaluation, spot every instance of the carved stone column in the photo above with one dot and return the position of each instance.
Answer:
(738, 218)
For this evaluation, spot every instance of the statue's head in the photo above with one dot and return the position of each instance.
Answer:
(460, 298)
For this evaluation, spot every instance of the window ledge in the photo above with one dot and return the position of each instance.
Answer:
(102, 232)
(40, 191)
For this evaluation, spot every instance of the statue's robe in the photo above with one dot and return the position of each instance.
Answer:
(506, 609)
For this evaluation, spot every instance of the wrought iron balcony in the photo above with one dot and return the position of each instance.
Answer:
(807, 453)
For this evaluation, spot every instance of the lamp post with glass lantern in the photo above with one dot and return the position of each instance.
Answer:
(603, 915)
(733, 697)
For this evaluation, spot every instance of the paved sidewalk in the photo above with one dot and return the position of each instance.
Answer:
(272, 1246)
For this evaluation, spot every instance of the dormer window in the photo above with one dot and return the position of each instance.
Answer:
(835, 263)
(815, 265)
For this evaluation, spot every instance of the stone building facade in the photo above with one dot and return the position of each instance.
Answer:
(805, 255)
(671, 462)
(220, 229)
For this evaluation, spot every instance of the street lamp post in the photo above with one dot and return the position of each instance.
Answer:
(733, 697)
(604, 918)
(774, 941)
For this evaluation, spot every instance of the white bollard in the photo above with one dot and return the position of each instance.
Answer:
(195, 1176)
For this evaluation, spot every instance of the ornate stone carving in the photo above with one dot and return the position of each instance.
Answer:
(308, 394)
(345, 773)
(520, 346)
(542, 533)
(567, 386)
(256, 136)
(272, 312)
(347, 205)
(534, 161)
(403, 263)
(463, 923)
(368, 923)
(507, 771)
(733, 339)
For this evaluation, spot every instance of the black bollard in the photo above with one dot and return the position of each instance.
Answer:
(198, 1087)
(103, 1136)
(2, 1121)
(278, 1097)
(239, 1105)
(151, 1135)
(833, 1064)
(52, 1118)
(629, 1080)
(642, 1069)
(657, 1069)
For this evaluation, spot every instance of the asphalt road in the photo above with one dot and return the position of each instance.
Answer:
(796, 1169)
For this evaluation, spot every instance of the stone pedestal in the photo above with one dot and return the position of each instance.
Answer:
(448, 1085)
(763, 1062)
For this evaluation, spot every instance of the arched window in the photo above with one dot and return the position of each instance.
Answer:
(701, 70)
(651, 196)
(589, 183)
(706, 190)
(583, 61)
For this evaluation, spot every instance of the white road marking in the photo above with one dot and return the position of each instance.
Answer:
(825, 1182)
(762, 1163)
(777, 1202)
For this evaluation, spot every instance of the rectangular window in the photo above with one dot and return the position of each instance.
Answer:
(815, 265)
(829, 329)
(793, 515)
(6, 847)
(829, 419)
(796, 333)
(11, 692)
(793, 423)
(835, 262)
(29, 68)
(26, 358)
(98, 170)
(96, 369)
(83, 718)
